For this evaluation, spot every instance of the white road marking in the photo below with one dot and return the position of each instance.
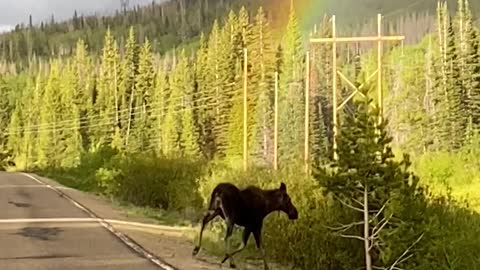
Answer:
(29, 186)
(126, 240)
(47, 220)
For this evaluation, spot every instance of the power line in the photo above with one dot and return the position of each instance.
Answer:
(106, 121)
(96, 118)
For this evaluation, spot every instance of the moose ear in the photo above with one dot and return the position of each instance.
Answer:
(283, 187)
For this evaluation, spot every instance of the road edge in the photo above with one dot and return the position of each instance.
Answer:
(137, 248)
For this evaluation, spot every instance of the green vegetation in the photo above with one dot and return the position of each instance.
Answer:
(157, 131)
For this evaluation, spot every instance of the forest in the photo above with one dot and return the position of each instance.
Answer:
(140, 119)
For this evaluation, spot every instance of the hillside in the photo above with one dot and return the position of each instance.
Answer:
(180, 22)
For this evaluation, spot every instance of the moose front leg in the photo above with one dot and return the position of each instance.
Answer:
(227, 236)
(257, 234)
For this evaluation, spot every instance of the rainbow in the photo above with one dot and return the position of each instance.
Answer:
(308, 12)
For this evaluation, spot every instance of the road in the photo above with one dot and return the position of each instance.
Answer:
(50, 244)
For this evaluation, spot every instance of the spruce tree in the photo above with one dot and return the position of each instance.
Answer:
(84, 68)
(320, 98)
(159, 98)
(470, 67)
(70, 140)
(211, 125)
(141, 131)
(291, 93)
(203, 99)
(126, 94)
(15, 132)
(184, 84)
(49, 132)
(368, 172)
(29, 117)
(261, 80)
(107, 95)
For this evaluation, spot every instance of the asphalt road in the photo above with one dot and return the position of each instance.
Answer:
(54, 245)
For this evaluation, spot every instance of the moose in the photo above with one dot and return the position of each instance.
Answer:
(246, 208)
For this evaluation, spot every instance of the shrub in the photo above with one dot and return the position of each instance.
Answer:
(149, 180)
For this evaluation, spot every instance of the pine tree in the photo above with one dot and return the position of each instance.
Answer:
(29, 116)
(141, 132)
(181, 86)
(107, 95)
(15, 131)
(36, 105)
(450, 121)
(49, 131)
(456, 121)
(235, 122)
(84, 68)
(367, 174)
(159, 98)
(261, 81)
(183, 81)
(212, 128)
(70, 141)
(203, 100)
(469, 59)
(320, 98)
(291, 94)
(126, 94)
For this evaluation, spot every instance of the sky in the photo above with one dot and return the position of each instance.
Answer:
(13, 12)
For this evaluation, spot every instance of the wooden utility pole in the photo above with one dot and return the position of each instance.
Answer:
(245, 108)
(275, 131)
(334, 89)
(334, 40)
(379, 69)
(307, 110)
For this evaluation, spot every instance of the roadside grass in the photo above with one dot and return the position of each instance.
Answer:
(149, 176)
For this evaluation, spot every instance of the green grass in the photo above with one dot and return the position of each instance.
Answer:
(304, 243)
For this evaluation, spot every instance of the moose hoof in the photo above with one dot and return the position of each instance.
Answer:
(195, 251)
(232, 265)
(225, 259)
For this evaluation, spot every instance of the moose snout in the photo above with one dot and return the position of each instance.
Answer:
(293, 214)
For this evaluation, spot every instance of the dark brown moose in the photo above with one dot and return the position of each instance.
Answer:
(246, 208)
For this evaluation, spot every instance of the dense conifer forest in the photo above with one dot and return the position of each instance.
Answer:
(146, 106)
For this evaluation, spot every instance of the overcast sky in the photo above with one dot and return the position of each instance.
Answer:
(17, 11)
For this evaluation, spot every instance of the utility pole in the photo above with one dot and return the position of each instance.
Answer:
(334, 40)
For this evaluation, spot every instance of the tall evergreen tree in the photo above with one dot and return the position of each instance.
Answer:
(84, 68)
(320, 97)
(70, 143)
(141, 131)
(184, 84)
(203, 99)
(107, 95)
(126, 94)
(160, 98)
(49, 145)
(15, 131)
(469, 65)
(261, 81)
(291, 95)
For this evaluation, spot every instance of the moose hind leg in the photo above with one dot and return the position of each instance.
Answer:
(246, 234)
(211, 214)
(257, 234)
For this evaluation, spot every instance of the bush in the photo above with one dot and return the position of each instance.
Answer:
(149, 180)
(138, 179)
